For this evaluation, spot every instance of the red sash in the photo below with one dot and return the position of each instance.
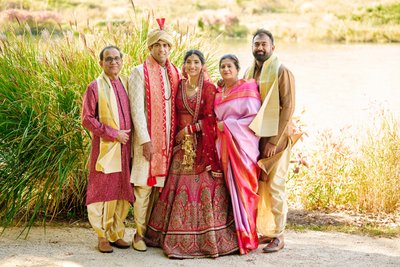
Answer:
(156, 115)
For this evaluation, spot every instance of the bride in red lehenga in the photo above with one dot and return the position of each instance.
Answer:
(193, 217)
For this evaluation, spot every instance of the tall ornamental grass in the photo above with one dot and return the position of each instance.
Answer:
(44, 148)
(360, 173)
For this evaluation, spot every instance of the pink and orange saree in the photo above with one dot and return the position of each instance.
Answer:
(237, 147)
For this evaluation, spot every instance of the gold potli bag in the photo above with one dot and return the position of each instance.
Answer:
(189, 153)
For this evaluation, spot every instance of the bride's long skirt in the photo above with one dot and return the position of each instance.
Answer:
(193, 217)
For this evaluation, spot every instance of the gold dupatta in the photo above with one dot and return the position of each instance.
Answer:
(109, 159)
(266, 122)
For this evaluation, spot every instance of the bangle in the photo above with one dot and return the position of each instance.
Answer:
(198, 127)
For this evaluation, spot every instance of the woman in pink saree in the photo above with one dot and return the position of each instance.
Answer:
(236, 104)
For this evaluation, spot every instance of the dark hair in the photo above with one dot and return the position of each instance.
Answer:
(232, 57)
(264, 32)
(194, 52)
(109, 47)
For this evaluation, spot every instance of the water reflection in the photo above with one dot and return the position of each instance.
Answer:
(337, 85)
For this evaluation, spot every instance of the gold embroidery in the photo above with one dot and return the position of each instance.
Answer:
(189, 152)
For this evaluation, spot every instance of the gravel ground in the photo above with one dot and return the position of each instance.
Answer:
(76, 246)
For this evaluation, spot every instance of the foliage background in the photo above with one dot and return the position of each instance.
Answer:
(290, 20)
(44, 146)
(49, 53)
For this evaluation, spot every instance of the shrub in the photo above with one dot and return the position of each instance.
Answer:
(353, 172)
(44, 148)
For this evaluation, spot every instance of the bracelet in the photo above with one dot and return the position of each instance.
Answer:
(193, 128)
(198, 127)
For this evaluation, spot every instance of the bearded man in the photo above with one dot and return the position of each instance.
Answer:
(273, 125)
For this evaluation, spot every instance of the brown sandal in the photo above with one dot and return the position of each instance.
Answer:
(275, 245)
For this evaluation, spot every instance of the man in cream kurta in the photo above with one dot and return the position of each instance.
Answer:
(152, 89)
(273, 125)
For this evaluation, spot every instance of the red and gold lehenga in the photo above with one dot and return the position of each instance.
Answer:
(193, 217)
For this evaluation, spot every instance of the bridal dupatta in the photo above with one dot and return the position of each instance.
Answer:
(237, 147)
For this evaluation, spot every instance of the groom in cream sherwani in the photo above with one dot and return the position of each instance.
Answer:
(152, 89)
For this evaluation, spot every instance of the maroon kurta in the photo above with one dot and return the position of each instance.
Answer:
(114, 186)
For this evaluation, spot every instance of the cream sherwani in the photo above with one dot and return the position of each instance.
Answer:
(140, 166)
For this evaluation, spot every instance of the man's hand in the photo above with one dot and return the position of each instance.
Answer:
(123, 136)
(148, 151)
(220, 126)
(221, 83)
(269, 150)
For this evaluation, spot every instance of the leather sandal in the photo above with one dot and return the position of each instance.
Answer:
(275, 245)
(104, 245)
(120, 243)
(264, 239)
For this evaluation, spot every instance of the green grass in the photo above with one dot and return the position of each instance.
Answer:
(290, 20)
(43, 164)
(359, 173)
(379, 15)
(377, 231)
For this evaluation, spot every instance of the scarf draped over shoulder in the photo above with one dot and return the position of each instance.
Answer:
(156, 115)
(266, 122)
(109, 159)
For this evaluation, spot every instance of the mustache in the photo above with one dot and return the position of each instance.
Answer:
(260, 56)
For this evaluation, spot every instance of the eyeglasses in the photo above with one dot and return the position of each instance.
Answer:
(109, 60)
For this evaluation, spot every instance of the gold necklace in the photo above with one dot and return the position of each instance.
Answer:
(225, 89)
(224, 94)
(191, 87)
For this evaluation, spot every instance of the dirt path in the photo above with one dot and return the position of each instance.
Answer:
(63, 246)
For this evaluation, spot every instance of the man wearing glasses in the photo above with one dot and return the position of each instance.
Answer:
(106, 114)
(152, 89)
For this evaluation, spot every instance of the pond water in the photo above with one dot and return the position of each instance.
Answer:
(337, 85)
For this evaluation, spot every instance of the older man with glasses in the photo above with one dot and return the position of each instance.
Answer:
(106, 114)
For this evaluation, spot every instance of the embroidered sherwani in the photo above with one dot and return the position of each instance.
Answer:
(141, 168)
(107, 194)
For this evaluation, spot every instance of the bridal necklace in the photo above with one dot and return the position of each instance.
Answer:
(199, 86)
(191, 87)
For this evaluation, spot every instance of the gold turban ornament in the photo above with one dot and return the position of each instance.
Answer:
(159, 34)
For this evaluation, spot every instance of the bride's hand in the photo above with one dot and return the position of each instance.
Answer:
(179, 136)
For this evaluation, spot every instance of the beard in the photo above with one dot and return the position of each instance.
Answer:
(261, 57)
